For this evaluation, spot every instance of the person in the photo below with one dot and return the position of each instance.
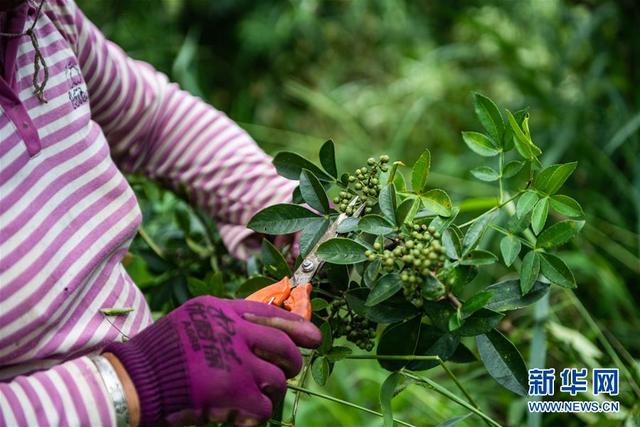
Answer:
(76, 113)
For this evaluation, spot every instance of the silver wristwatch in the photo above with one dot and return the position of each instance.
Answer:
(114, 388)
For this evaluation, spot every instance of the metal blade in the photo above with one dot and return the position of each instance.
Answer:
(312, 263)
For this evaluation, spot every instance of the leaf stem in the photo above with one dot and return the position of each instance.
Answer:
(507, 233)
(501, 169)
(446, 393)
(149, 241)
(417, 357)
(471, 221)
(343, 402)
(303, 379)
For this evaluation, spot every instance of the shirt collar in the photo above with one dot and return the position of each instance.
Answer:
(14, 21)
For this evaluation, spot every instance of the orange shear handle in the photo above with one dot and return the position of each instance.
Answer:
(298, 301)
(281, 294)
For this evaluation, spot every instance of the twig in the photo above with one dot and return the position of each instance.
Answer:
(344, 402)
(416, 358)
(303, 379)
(468, 223)
(446, 393)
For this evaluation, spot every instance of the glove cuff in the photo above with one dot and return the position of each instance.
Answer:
(156, 364)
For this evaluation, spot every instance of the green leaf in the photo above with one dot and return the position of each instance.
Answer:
(485, 173)
(510, 247)
(328, 158)
(375, 224)
(273, 260)
(385, 288)
(479, 257)
(442, 224)
(503, 361)
(311, 234)
(327, 338)
(407, 210)
(341, 250)
(252, 285)
(529, 271)
(455, 321)
(420, 172)
(313, 192)
(437, 201)
(451, 243)
(554, 269)
(282, 219)
(290, 166)
(463, 355)
(526, 202)
(387, 202)
(566, 206)
(371, 273)
(512, 168)
(399, 339)
(320, 370)
(338, 353)
(453, 421)
(539, 215)
(197, 287)
(348, 225)
(475, 303)
(475, 232)
(507, 295)
(456, 278)
(522, 140)
(480, 322)
(551, 178)
(433, 342)
(387, 393)
(215, 283)
(184, 220)
(558, 234)
(480, 144)
(319, 304)
(393, 310)
(489, 116)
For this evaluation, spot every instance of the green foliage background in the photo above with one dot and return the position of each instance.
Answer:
(393, 76)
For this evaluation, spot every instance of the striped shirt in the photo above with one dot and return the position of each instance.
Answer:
(67, 214)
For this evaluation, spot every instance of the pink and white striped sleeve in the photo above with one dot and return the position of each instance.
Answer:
(70, 394)
(164, 132)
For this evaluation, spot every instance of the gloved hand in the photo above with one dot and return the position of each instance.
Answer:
(215, 360)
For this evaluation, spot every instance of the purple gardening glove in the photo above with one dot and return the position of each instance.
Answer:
(215, 360)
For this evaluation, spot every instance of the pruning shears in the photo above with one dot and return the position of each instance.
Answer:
(293, 293)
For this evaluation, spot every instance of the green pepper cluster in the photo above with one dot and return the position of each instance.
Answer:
(357, 329)
(420, 254)
(364, 183)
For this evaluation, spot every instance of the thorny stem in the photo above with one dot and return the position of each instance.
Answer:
(344, 402)
(446, 393)
(471, 221)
